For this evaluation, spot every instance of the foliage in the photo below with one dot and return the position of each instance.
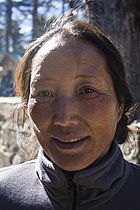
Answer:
(20, 21)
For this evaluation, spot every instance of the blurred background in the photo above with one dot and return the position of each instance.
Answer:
(22, 21)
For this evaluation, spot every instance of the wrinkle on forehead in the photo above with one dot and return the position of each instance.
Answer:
(81, 55)
(55, 43)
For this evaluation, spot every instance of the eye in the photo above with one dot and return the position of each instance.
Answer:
(86, 90)
(45, 94)
(88, 93)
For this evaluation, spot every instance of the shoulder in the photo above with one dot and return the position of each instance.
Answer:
(135, 171)
(133, 166)
(16, 177)
(20, 186)
(17, 173)
(17, 168)
(133, 181)
(17, 182)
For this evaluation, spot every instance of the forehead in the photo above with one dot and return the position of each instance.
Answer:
(59, 50)
(67, 62)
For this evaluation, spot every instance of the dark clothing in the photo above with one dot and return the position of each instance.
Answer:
(109, 184)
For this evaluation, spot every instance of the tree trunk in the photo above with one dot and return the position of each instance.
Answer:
(121, 19)
(34, 32)
(8, 24)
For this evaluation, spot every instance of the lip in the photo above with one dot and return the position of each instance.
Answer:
(71, 143)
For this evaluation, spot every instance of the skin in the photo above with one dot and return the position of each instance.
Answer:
(72, 103)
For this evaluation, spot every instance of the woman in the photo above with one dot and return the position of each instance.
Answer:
(73, 87)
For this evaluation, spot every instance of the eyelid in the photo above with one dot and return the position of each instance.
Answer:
(41, 92)
(87, 88)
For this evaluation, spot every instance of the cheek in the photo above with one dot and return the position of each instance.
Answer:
(100, 113)
(92, 110)
(40, 114)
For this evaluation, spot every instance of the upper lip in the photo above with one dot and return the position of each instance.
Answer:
(66, 139)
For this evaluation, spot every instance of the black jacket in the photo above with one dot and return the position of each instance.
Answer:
(109, 184)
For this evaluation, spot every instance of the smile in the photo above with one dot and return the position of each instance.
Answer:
(72, 143)
(68, 140)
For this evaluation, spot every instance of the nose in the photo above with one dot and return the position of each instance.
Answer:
(66, 112)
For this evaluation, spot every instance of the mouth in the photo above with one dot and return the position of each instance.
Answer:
(72, 143)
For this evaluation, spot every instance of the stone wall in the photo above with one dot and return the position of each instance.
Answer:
(10, 153)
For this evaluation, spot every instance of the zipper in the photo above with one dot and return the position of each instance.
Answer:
(72, 188)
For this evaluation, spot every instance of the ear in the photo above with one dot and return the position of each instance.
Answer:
(120, 111)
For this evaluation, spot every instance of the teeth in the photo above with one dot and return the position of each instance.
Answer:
(68, 140)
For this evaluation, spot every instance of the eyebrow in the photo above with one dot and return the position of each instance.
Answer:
(40, 81)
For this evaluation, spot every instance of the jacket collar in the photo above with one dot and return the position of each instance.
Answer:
(103, 179)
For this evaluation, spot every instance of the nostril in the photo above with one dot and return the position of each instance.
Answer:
(65, 121)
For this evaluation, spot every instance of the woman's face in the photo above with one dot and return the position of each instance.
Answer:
(72, 103)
